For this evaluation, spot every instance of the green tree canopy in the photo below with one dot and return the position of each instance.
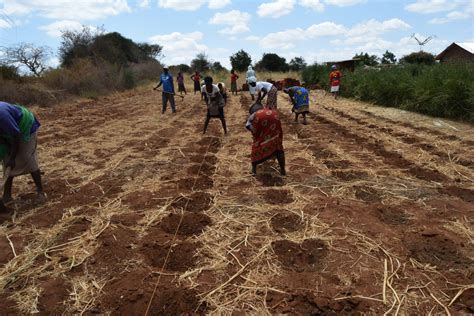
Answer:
(272, 62)
(216, 66)
(366, 59)
(297, 64)
(240, 60)
(201, 63)
(419, 58)
(95, 44)
(388, 58)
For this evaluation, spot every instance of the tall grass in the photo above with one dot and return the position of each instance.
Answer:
(439, 90)
(444, 90)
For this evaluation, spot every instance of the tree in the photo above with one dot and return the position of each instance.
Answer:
(388, 58)
(201, 63)
(366, 59)
(272, 62)
(216, 66)
(98, 47)
(34, 58)
(419, 58)
(240, 60)
(297, 64)
(183, 67)
(76, 44)
(152, 50)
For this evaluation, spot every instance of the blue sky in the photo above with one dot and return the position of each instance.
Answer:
(318, 30)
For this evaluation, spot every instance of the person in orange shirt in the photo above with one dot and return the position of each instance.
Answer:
(335, 80)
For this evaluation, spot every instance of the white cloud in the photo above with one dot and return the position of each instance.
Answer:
(236, 20)
(344, 3)
(452, 16)
(275, 9)
(278, 8)
(181, 5)
(325, 29)
(4, 24)
(217, 4)
(284, 39)
(180, 47)
(287, 39)
(192, 5)
(316, 5)
(432, 6)
(374, 27)
(55, 29)
(252, 38)
(144, 4)
(66, 9)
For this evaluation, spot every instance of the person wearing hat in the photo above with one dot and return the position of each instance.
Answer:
(215, 103)
(335, 80)
(300, 99)
(166, 79)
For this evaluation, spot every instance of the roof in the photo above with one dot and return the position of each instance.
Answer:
(342, 61)
(469, 47)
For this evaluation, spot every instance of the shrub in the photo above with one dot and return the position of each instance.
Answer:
(440, 90)
(9, 72)
(25, 93)
(419, 58)
(316, 74)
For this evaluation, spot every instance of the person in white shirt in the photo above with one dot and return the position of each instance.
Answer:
(251, 76)
(266, 89)
(215, 103)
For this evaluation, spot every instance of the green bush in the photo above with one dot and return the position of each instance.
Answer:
(316, 74)
(443, 90)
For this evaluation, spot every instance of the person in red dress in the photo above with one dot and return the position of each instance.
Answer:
(265, 125)
(335, 80)
(197, 82)
(233, 82)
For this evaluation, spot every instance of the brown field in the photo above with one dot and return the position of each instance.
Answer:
(146, 213)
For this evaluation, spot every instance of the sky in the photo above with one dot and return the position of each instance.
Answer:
(317, 30)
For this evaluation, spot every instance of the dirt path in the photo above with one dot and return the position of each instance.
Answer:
(146, 213)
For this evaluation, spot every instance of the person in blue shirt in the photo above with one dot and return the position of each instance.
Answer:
(18, 127)
(166, 79)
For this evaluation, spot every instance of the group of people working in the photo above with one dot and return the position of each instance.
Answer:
(18, 125)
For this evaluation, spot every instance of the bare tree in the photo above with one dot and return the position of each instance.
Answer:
(28, 55)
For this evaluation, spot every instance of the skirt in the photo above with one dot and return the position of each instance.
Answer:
(252, 90)
(334, 88)
(272, 98)
(233, 86)
(26, 160)
(181, 87)
(197, 86)
(267, 134)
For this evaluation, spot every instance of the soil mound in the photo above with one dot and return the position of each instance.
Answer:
(191, 223)
(286, 222)
(307, 256)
